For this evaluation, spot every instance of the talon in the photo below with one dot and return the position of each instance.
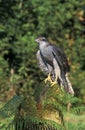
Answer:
(53, 83)
(48, 79)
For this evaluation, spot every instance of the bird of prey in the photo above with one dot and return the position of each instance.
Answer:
(53, 62)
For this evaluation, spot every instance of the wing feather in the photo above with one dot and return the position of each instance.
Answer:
(61, 58)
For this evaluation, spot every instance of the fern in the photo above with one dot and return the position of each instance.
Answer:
(26, 115)
(10, 107)
(33, 124)
(78, 110)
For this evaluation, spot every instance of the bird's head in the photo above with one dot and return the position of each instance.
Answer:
(41, 40)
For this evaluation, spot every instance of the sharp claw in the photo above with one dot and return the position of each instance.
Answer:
(53, 83)
(48, 79)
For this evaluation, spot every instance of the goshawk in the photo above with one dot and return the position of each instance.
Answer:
(53, 62)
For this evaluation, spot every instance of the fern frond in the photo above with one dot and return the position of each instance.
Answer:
(34, 124)
(10, 107)
(78, 110)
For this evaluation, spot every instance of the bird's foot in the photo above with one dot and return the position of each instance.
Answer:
(53, 83)
(48, 79)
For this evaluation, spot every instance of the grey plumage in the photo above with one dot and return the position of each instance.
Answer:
(53, 60)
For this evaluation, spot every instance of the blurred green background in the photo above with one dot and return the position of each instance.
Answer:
(21, 21)
(62, 22)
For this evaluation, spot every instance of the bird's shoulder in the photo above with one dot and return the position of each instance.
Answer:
(57, 50)
(62, 56)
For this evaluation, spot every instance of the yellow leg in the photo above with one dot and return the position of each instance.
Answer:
(48, 78)
(55, 81)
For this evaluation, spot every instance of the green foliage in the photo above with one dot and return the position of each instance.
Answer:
(21, 21)
(33, 123)
(10, 107)
(75, 122)
(27, 115)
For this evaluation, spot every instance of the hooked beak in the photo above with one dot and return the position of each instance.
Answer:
(37, 40)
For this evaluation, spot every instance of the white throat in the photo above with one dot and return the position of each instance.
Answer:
(43, 44)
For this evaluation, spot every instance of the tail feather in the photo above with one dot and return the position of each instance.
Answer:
(67, 85)
(70, 88)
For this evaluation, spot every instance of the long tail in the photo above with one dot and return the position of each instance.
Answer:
(67, 85)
